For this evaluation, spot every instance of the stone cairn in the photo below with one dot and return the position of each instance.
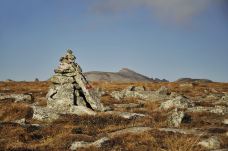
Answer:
(70, 88)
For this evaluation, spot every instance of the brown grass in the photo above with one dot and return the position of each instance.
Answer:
(69, 128)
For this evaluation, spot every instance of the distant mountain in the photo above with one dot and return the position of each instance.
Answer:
(124, 75)
(190, 80)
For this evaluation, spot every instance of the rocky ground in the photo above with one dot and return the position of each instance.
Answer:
(138, 116)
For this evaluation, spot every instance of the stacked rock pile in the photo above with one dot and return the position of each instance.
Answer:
(70, 87)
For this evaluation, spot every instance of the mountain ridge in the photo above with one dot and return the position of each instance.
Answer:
(123, 75)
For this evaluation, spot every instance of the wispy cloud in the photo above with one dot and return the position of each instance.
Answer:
(172, 10)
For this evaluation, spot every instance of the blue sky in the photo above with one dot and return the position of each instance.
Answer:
(158, 38)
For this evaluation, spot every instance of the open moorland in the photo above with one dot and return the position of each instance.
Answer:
(146, 116)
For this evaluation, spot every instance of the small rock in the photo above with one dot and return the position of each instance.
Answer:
(225, 122)
(44, 114)
(81, 110)
(21, 121)
(18, 97)
(136, 88)
(220, 110)
(213, 97)
(178, 102)
(126, 115)
(98, 144)
(163, 91)
(210, 143)
(186, 85)
(175, 119)
(183, 131)
(141, 94)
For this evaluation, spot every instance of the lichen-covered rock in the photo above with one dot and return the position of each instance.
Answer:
(220, 110)
(178, 102)
(136, 88)
(60, 79)
(211, 143)
(27, 98)
(225, 121)
(142, 94)
(126, 115)
(175, 119)
(70, 92)
(163, 91)
(77, 145)
(70, 87)
(81, 110)
(44, 114)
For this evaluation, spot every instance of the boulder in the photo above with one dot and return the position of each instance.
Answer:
(126, 115)
(178, 102)
(44, 114)
(21, 121)
(77, 145)
(142, 94)
(225, 121)
(136, 88)
(175, 119)
(220, 110)
(183, 131)
(163, 91)
(60, 79)
(27, 98)
(210, 143)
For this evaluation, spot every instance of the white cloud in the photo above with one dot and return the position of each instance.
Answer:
(173, 10)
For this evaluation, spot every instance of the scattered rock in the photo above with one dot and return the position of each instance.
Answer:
(136, 88)
(98, 144)
(44, 114)
(221, 110)
(225, 121)
(18, 97)
(126, 115)
(213, 96)
(21, 121)
(81, 110)
(141, 93)
(186, 85)
(183, 131)
(178, 102)
(163, 91)
(9, 80)
(210, 143)
(175, 119)
(223, 100)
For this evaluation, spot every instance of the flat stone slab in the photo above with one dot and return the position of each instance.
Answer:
(81, 144)
(220, 110)
(183, 131)
(126, 115)
(17, 97)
